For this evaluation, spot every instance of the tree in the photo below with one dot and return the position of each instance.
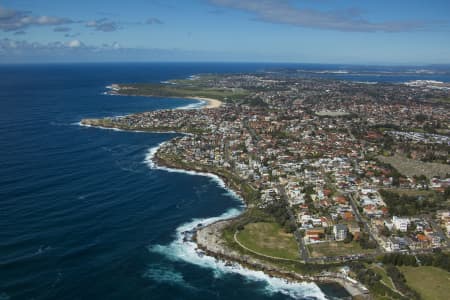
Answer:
(385, 231)
(366, 243)
(447, 192)
(412, 227)
(348, 238)
(420, 117)
(290, 227)
(395, 180)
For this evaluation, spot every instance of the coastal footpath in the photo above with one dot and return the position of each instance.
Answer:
(210, 240)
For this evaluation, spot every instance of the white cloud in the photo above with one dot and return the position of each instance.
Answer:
(285, 12)
(22, 51)
(75, 44)
(153, 20)
(104, 25)
(16, 20)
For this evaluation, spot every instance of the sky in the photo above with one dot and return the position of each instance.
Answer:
(413, 32)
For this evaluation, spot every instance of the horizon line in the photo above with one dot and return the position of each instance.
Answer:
(395, 64)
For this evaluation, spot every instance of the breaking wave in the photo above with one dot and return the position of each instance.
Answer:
(195, 105)
(101, 127)
(182, 250)
(149, 160)
(112, 91)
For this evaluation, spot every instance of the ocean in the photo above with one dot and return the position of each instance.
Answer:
(83, 212)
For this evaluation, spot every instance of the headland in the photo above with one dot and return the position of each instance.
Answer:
(317, 197)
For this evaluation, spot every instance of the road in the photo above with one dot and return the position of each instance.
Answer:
(362, 220)
(255, 137)
(303, 251)
(355, 206)
(438, 229)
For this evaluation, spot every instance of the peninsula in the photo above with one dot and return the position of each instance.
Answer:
(317, 163)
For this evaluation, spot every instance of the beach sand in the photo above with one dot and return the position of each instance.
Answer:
(210, 103)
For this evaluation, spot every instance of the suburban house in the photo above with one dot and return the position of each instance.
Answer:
(400, 224)
(340, 232)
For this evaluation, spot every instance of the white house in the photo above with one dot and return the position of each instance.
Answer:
(400, 224)
(340, 232)
(317, 221)
(392, 245)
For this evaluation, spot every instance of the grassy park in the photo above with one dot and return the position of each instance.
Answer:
(268, 239)
(430, 282)
(411, 167)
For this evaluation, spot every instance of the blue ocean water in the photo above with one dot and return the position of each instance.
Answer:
(83, 216)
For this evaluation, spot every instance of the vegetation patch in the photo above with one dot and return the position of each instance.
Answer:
(413, 203)
(430, 282)
(386, 280)
(441, 100)
(182, 90)
(374, 278)
(411, 192)
(438, 260)
(336, 249)
(269, 239)
(411, 167)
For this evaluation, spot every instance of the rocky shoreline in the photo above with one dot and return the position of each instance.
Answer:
(228, 183)
(209, 239)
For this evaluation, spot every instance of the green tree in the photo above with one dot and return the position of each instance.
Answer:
(348, 238)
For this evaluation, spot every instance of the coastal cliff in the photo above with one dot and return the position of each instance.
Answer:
(300, 168)
(211, 240)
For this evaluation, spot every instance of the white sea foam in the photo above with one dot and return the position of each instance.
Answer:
(168, 82)
(181, 250)
(149, 160)
(101, 127)
(111, 93)
(42, 249)
(367, 82)
(165, 274)
(196, 105)
(128, 130)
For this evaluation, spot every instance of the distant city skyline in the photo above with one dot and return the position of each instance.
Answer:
(303, 31)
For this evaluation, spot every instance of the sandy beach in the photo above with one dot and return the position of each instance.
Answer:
(210, 103)
(115, 89)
